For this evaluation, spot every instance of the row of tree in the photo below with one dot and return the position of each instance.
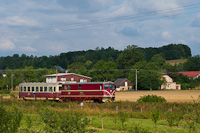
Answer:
(105, 65)
(172, 51)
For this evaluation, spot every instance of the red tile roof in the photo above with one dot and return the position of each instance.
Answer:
(191, 74)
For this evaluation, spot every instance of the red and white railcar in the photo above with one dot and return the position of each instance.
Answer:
(41, 91)
(97, 91)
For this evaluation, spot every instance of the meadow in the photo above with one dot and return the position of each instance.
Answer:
(120, 116)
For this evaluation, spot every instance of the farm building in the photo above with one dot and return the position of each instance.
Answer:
(123, 84)
(169, 84)
(66, 77)
(191, 74)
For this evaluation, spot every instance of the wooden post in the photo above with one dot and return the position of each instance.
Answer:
(90, 122)
(102, 122)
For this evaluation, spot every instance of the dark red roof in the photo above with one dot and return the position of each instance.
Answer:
(191, 74)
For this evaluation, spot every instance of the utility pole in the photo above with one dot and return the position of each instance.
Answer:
(136, 79)
(150, 82)
(11, 81)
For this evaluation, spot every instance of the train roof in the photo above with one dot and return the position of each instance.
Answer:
(38, 83)
(88, 83)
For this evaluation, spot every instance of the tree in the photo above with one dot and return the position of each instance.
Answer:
(103, 70)
(129, 57)
(78, 68)
(192, 64)
(148, 77)
(158, 60)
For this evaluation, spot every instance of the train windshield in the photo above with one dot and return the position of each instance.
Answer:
(109, 86)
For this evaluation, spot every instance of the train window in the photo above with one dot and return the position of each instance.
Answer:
(50, 88)
(60, 88)
(45, 89)
(29, 88)
(41, 89)
(33, 89)
(106, 87)
(79, 87)
(65, 87)
(69, 87)
(113, 87)
(100, 87)
(72, 78)
(54, 89)
(37, 88)
(24, 88)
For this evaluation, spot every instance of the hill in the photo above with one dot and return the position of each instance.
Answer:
(90, 57)
(177, 61)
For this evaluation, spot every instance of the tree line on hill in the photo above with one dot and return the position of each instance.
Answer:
(107, 65)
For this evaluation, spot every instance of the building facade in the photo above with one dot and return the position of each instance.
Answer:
(123, 84)
(67, 77)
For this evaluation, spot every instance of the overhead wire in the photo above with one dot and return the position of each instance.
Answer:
(117, 20)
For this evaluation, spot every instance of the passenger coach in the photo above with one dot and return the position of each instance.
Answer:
(47, 91)
(96, 91)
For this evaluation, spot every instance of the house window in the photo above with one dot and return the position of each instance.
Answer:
(63, 79)
(168, 85)
(126, 84)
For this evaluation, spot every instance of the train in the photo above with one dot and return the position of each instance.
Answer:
(80, 91)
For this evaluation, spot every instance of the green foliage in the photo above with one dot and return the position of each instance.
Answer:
(77, 67)
(4, 91)
(192, 64)
(50, 118)
(171, 117)
(104, 71)
(137, 128)
(158, 60)
(151, 98)
(129, 57)
(10, 120)
(148, 76)
(123, 118)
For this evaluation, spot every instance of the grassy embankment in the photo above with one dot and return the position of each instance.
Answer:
(137, 116)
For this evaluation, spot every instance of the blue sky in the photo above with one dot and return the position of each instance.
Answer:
(51, 27)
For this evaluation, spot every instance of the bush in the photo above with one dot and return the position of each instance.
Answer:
(4, 92)
(151, 98)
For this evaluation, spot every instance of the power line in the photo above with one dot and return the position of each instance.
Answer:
(133, 18)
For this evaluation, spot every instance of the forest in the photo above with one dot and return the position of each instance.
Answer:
(106, 64)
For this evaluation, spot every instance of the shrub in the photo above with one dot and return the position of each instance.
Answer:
(4, 92)
(152, 98)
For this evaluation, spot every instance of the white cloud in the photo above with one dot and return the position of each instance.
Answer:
(28, 49)
(166, 35)
(7, 45)
(18, 21)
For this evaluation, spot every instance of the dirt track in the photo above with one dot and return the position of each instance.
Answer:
(170, 96)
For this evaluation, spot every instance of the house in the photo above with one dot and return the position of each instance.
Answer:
(66, 77)
(123, 84)
(169, 84)
(191, 74)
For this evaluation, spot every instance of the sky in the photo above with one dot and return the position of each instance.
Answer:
(51, 27)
